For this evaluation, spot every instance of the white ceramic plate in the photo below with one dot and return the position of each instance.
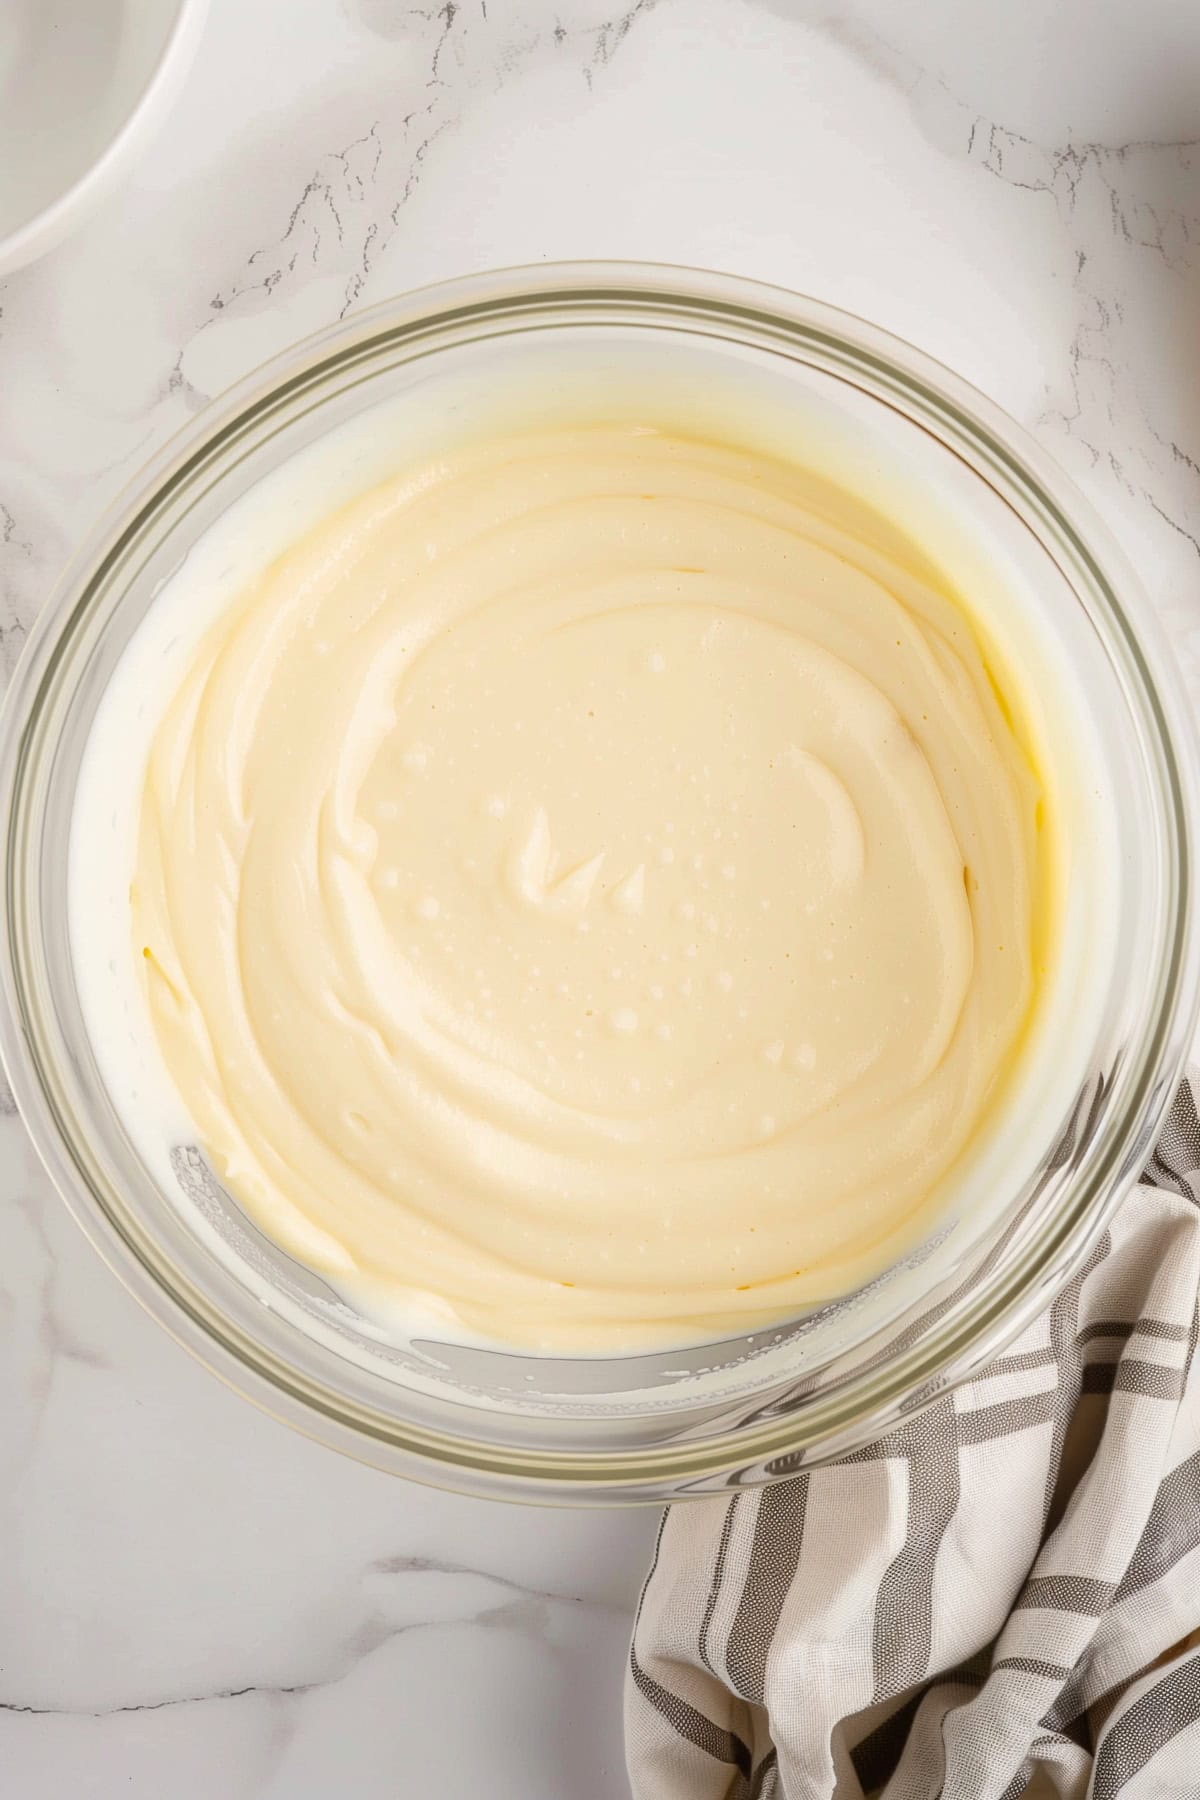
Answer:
(83, 83)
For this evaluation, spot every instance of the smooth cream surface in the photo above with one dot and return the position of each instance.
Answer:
(588, 888)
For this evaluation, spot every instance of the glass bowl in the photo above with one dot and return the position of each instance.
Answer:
(751, 1409)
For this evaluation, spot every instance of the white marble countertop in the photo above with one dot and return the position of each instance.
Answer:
(194, 1602)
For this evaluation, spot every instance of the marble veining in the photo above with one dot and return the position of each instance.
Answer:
(194, 1600)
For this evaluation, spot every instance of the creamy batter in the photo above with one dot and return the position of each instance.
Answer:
(590, 886)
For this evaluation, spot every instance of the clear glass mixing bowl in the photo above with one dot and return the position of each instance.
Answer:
(666, 1424)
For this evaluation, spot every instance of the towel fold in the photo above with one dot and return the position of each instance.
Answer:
(999, 1598)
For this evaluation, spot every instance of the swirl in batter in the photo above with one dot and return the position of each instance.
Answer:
(587, 890)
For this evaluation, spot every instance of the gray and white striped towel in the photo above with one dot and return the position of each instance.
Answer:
(1000, 1598)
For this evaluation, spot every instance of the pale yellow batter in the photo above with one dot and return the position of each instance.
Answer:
(588, 890)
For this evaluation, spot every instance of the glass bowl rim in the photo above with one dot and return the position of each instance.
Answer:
(871, 1401)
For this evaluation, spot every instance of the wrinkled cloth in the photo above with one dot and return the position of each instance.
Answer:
(999, 1598)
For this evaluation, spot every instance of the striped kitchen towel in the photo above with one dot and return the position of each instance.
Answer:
(1000, 1598)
